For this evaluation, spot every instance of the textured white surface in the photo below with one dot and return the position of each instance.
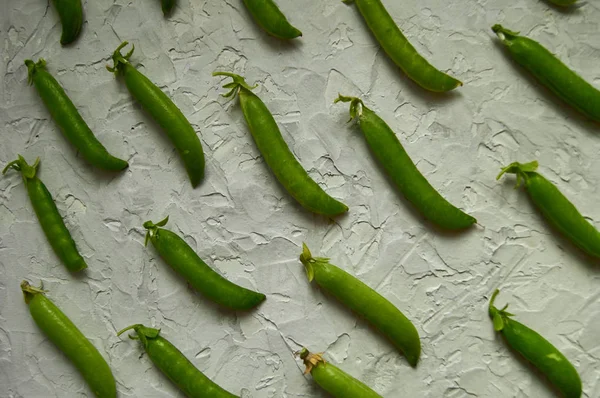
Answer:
(244, 224)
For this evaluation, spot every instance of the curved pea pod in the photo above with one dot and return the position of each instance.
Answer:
(282, 162)
(366, 302)
(551, 72)
(555, 207)
(334, 380)
(182, 258)
(268, 16)
(175, 365)
(167, 6)
(399, 49)
(537, 350)
(45, 209)
(68, 119)
(563, 3)
(70, 13)
(391, 155)
(64, 334)
(164, 112)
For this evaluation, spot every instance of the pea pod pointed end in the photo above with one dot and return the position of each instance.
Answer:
(237, 83)
(30, 291)
(356, 105)
(21, 165)
(520, 170)
(119, 60)
(152, 228)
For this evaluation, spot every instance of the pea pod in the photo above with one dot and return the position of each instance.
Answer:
(399, 49)
(366, 302)
(555, 207)
(563, 3)
(165, 112)
(537, 350)
(175, 365)
(70, 13)
(277, 154)
(334, 380)
(64, 334)
(68, 119)
(388, 150)
(45, 209)
(268, 16)
(167, 6)
(551, 72)
(182, 258)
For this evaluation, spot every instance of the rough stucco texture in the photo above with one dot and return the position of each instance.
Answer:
(246, 226)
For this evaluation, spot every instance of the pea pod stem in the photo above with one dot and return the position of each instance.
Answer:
(173, 364)
(332, 379)
(276, 153)
(398, 165)
(164, 112)
(551, 72)
(68, 119)
(48, 216)
(61, 331)
(366, 302)
(555, 207)
(537, 350)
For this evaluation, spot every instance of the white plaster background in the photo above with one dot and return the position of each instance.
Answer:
(244, 224)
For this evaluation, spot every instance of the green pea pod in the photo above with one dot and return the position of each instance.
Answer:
(175, 365)
(64, 334)
(555, 207)
(268, 16)
(537, 350)
(168, 6)
(388, 150)
(182, 258)
(68, 119)
(165, 112)
(551, 72)
(45, 209)
(399, 49)
(70, 13)
(366, 302)
(277, 154)
(334, 380)
(563, 3)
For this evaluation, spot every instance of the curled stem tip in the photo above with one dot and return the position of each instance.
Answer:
(152, 227)
(356, 105)
(20, 164)
(520, 170)
(238, 82)
(499, 316)
(120, 59)
(134, 326)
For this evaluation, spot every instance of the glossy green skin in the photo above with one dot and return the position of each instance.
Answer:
(399, 49)
(167, 6)
(552, 73)
(340, 384)
(562, 214)
(70, 13)
(50, 220)
(69, 120)
(182, 258)
(168, 116)
(268, 16)
(563, 3)
(65, 335)
(372, 306)
(388, 150)
(542, 354)
(288, 171)
(178, 368)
